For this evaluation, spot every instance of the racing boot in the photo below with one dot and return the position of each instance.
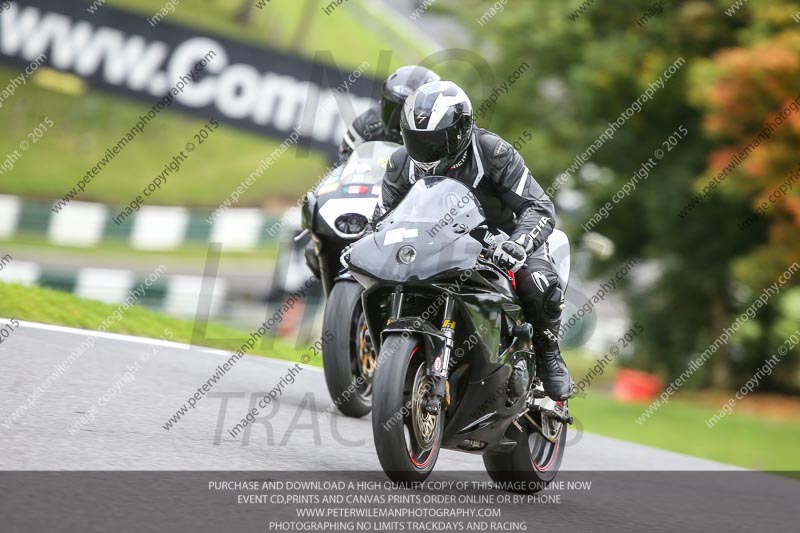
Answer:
(550, 366)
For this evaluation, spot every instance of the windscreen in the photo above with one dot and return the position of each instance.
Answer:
(432, 224)
(367, 164)
(443, 202)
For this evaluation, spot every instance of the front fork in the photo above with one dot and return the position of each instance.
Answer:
(439, 368)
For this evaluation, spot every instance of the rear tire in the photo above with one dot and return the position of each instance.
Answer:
(532, 464)
(344, 318)
(407, 440)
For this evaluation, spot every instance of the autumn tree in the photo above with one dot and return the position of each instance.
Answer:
(586, 71)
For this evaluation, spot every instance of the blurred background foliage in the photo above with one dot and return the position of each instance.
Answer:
(739, 71)
(581, 72)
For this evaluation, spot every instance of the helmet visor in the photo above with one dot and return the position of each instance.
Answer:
(390, 113)
(429, 146)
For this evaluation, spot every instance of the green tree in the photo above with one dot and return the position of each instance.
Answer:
(584, 74)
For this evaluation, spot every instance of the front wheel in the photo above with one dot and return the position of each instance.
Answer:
(535, 461)
(349, 359)
(407, 438)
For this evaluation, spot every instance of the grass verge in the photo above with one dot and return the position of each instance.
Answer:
(36, 304)
(739, 439)
(115, 248)
(295, 26)
(85, 124)
(754, 437)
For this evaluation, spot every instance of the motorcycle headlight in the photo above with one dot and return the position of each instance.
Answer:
(351, 223)
(406, 254)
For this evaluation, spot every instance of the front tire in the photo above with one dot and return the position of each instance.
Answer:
(407, 438)
(349, 356)
(533, 463)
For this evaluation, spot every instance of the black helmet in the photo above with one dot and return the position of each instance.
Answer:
(396, 89)
(436, 124)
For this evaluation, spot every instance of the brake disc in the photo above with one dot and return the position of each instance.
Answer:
(367, 358)
(423, 423)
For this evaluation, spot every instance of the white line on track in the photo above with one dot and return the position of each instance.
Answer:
(142, 340)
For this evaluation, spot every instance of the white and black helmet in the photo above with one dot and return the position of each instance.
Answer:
(436, 124)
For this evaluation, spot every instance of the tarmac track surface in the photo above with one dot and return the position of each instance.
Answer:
(130, 473)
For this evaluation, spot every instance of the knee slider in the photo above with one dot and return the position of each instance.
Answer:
(543, 292)
(553, 301)
(542, 275)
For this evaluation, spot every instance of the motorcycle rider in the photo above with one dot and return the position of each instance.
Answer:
(440, 138)
(382, 123)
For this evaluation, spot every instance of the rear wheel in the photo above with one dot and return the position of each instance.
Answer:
(535, 460)
(349, 359)
(407, 438)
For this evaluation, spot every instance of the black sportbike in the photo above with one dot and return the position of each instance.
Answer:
(456, 364)
(336, 215)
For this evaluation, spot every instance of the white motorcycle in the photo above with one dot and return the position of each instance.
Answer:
(336, 215)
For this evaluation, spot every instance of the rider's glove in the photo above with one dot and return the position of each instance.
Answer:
(511, 255)
(344, 257)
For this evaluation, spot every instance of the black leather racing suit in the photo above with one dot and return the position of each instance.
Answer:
(512, 201)
(366, 127)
